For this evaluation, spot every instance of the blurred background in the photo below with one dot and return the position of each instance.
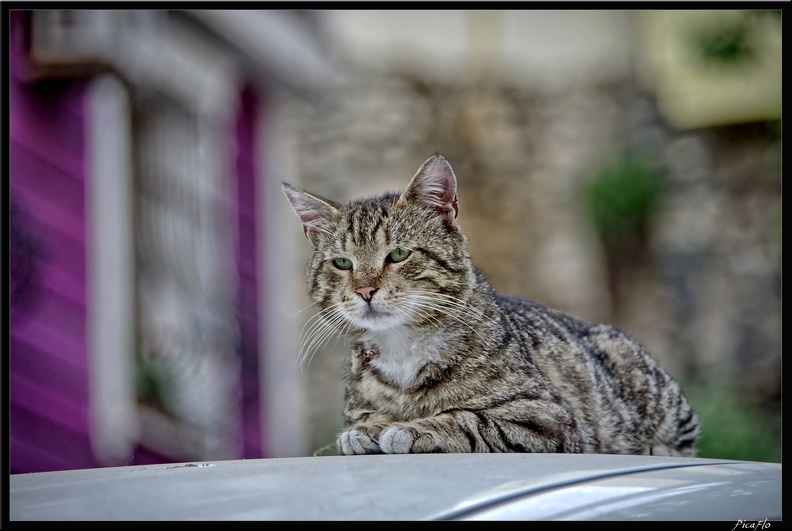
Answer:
(623, 166)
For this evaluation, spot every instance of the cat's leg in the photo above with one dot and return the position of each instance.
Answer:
(399, 439)
(363, 437)
(483, 431)
(363, 424)
(356, 442)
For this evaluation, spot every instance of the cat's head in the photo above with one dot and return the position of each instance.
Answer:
(390, 260)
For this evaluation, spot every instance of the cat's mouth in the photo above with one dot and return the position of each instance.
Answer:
(376, 318)
(369, 312)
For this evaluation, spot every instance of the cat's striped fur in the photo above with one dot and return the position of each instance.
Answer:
(441, 363)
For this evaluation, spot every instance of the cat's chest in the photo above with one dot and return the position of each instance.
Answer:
(399, 354)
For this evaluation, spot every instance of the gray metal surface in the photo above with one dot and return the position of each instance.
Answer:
(408, 487)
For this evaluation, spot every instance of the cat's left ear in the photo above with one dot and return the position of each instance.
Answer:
(434, 185)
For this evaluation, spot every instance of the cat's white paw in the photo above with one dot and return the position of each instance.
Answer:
(395, 440)
(353, 442)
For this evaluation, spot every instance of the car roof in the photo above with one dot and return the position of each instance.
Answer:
(408, 487)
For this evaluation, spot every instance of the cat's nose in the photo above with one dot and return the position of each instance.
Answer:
(367, 292)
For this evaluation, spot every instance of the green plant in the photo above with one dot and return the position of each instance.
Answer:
(731, 40)
(733, 426)
(152, 383)
(725, 44)
(621, 198)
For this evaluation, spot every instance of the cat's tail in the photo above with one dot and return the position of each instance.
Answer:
(677, 433)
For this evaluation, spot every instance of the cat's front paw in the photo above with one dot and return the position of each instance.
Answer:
(396, 440)
(355, 442)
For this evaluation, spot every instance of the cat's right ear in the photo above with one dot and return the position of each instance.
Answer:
(316, 213)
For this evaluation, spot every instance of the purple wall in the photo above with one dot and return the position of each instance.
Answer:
(48, 385)
(48, 362)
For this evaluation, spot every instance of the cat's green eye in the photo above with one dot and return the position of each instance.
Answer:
(343, 263)
(398, 255)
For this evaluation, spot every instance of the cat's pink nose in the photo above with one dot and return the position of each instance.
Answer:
(366, 292)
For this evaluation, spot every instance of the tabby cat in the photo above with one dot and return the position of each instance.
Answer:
(442, 363)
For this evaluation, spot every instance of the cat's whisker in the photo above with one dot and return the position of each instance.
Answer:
(452, 303)
(462, 315)
(303, 309)
(344, 331)
(445, 310)
(409, 317)
(312, 320)
(323, 331)
(425, 315)
(449, 299)
(449, 311)
(321, 336)
(319, 328)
